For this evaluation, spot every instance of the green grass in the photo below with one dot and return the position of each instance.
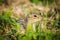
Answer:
(10, 28)
(39, 34)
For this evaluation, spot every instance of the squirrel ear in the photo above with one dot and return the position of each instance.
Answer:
(40, 14)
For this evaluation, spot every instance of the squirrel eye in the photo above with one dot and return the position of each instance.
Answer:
(35, 15)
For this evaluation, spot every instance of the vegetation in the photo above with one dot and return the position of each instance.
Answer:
(48, 28)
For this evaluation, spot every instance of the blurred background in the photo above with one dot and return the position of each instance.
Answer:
(29, 19)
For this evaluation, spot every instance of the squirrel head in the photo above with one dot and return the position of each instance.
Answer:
(34, 17)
